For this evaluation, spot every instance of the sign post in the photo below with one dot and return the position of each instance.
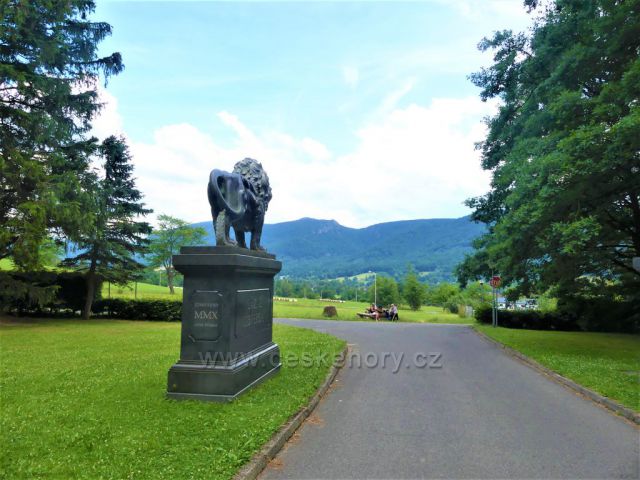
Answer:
(495, 283)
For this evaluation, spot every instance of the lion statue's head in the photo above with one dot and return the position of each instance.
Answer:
(251, 170)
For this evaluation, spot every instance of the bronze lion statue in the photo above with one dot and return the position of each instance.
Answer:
(240, 200)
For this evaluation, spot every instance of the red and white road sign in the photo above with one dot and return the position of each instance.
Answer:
(495, 281)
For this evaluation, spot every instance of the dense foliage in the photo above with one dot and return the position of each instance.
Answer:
(413, 292)
(530, 319)
(384, 291)
(48, 72)
(42, 292)
(564, 151)
(439, 295)
(109, 244)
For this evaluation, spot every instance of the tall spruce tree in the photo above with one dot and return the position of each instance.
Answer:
(48, 72)
(564, 152)
(115, 237)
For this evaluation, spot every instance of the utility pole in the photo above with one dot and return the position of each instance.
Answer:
(495, 284)
(375, 288)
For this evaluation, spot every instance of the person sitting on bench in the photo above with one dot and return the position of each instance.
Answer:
(393, 312)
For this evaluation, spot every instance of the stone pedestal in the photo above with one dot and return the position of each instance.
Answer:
(227, 322)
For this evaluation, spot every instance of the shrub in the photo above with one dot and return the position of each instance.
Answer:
(151, 310)
(23, 292)
(452, 304)
(530, 319)
(33, 292)
(73, 289)
(604, 314)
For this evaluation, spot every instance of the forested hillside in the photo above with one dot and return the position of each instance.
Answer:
(326, 249)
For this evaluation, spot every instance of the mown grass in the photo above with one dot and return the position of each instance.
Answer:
(607, 363)
(140, 291)
(312, 309)
(86, 400)
(303, 308)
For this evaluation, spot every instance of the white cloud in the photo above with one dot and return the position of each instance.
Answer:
(391, 100)
(108, 121)
(413, 162)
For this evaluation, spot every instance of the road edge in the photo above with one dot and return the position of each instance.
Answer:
(269, 450)
(609, 404)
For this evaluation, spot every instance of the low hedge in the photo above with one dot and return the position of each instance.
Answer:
(43, 292)
(150, 310)
(530, 319)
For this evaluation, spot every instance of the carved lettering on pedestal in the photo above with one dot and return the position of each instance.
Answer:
(206, 307)
(254, 308)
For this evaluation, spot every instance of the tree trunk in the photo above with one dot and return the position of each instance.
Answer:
(170, 275)
(91, 290)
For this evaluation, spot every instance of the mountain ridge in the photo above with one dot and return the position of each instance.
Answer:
(318, 248)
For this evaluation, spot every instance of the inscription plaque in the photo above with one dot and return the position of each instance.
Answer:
(254, 308)
(207, 306)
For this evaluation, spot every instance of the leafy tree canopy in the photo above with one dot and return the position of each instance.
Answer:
(441, 293)
(385, 291)
(413, 291)
(564, 152)
(171, 234)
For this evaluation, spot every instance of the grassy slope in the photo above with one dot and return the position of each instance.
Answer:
(303, 308)
(86, 400)
(145, 291)
(607, 363)
(312, 309)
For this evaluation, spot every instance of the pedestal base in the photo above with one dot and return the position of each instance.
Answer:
(226, 344)
(215, 380)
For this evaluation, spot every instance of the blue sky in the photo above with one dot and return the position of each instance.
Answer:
(359, 111)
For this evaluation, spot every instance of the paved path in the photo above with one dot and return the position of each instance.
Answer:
(481, 415)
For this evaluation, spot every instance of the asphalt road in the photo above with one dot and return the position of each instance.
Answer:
(474, 412)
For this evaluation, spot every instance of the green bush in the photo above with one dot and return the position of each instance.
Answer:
(46, 293)
(530, 319)
(24, 292)
(73, 289)
(42, 292)
(150, 310)
(604, 314)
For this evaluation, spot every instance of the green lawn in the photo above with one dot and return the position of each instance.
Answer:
(86, 400)
(303, 308)
(607, 363)
(144, 291)
(312, 309)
